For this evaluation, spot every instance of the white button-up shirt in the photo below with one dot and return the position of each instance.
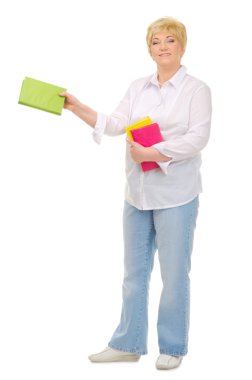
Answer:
(182, 108)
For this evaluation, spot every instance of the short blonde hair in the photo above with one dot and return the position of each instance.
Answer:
(168, 24)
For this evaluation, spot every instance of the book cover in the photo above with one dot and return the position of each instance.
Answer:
(139, 124)
(41, 95)
(148, 136)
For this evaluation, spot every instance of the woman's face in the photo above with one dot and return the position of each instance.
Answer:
(165, 49)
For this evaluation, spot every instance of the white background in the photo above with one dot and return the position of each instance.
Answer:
(61, 195)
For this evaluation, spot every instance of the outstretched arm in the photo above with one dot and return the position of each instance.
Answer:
(87, 114)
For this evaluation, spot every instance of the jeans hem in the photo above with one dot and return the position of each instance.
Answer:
(172, 352)
(131, 350)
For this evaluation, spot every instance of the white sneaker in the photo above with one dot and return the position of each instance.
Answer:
(111, 355)
(168, 362)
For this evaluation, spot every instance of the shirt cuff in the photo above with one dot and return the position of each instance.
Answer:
(162, 164)
(99, 127)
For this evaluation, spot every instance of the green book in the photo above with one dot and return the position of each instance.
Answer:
(41, 95)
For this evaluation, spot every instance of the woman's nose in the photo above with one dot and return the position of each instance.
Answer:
(163, 46)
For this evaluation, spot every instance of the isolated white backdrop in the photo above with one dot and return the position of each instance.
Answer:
(61, 260)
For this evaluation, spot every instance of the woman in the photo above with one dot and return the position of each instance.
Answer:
(161, 205)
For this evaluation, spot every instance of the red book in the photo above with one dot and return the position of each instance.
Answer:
(148, 136)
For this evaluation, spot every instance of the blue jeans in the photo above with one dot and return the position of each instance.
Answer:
(170, 231)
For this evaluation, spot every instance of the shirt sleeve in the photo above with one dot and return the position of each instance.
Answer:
(197, 135)
(114, 124)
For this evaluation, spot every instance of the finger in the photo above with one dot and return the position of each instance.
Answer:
(63, 94)
(133, 143)
(129, 141)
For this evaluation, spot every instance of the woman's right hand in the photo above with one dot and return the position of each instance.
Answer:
(71, 102)
(84, 112)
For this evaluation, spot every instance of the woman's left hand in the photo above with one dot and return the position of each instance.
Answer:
(138, 152)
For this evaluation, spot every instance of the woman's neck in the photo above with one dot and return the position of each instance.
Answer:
(164, 73)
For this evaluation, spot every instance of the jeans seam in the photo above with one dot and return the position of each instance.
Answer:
(188, 252)
(144, 289)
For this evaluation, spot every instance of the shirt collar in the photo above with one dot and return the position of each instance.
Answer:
(175, 80)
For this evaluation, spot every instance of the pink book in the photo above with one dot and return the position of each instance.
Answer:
(148, 136)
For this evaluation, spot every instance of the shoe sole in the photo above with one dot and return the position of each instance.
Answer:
(164, 367)
(123, 358)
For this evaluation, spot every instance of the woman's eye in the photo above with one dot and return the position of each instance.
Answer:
(171, 40)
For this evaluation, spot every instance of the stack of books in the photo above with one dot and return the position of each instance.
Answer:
(146, 133)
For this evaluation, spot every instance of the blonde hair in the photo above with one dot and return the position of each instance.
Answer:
(168, 24)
